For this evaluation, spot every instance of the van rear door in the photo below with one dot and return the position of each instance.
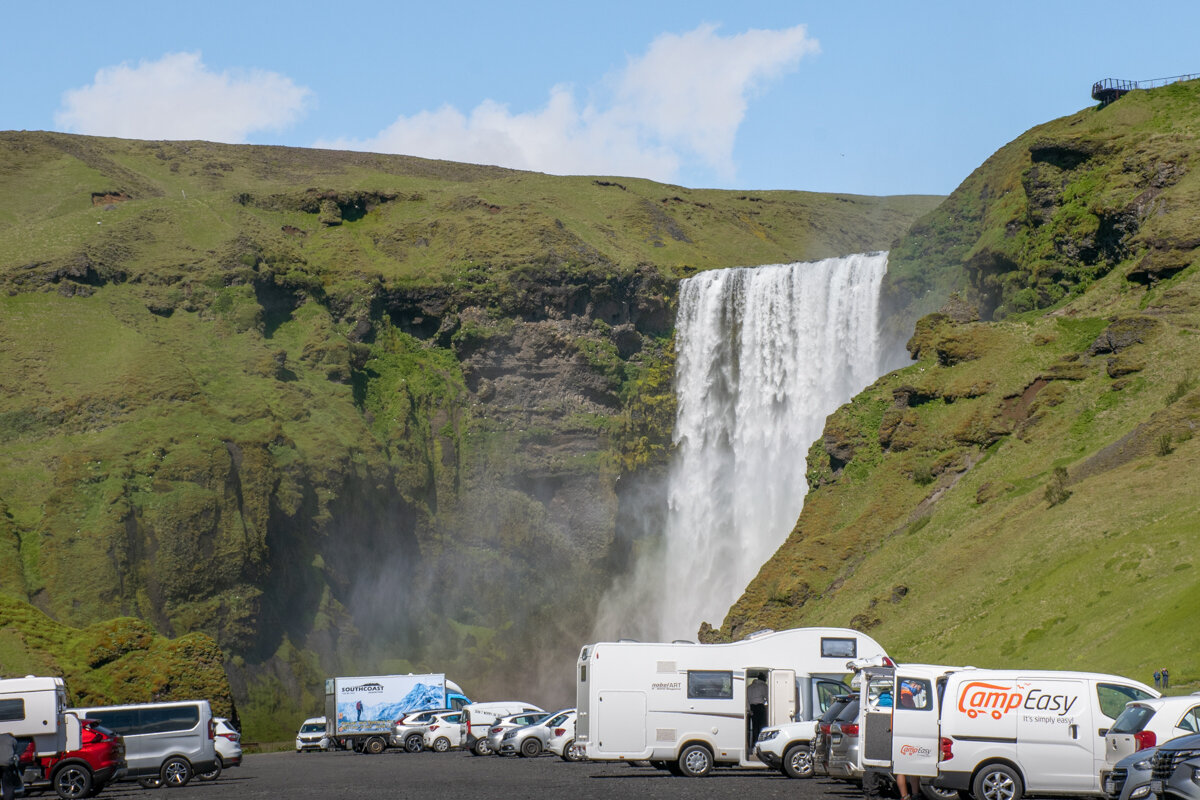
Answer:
(914, 726)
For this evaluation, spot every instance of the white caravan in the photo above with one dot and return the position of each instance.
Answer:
(684, 706)
(997, 734)
(35, 708)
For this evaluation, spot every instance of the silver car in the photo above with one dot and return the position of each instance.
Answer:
(844, 743)
(409, 731)
(530, 740)
(1129, 778)
(505, 724)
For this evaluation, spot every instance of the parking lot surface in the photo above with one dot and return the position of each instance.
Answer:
(432, 776)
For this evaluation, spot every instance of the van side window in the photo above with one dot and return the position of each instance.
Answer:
(916, 694)
(710, 684)
(1191, 720)
(12, 710)
(123, 722)
(166, 720)
(838, 648)
(1114, 696)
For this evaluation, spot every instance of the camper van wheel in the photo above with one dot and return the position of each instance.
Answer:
(374, 746)
(797, 761)
(482, 747)
(695, 761)
(72, 781)
(531, 747)
(415, 743)
(175, 772)
(997, 782)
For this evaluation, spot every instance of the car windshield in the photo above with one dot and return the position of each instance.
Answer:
(1133, 719)
(312, 727)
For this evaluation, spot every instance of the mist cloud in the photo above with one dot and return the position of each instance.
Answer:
(179, 97)
(681, 102)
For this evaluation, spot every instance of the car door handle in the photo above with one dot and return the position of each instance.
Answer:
(1074, 731)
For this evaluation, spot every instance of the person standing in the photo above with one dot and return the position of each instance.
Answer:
(1166, 680)
(10, 771)
(1157, 678)
(756, 696)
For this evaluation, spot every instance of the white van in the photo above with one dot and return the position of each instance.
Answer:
(165, 743)
(690, 707)
(997, 734)
(478, 717)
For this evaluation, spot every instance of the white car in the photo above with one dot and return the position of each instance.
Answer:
(312, 735)
(562, 740)
(229, 749)
(444, 731)
(1149, 722)
(788, 748)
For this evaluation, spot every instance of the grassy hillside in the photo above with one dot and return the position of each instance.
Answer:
(346, 413)
(1024, 493)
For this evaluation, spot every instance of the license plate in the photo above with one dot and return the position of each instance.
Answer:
(1108, 787)
(1156, 787)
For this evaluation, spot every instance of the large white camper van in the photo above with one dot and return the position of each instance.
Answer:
(35, 708)
(686, 706)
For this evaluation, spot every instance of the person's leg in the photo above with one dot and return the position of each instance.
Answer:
(902, 782)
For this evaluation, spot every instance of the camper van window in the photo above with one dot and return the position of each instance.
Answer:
(12, 710)
(1113, 697)
(710, 684)
(839, 648)
(915, 694)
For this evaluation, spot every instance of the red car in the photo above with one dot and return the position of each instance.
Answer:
(78, 773)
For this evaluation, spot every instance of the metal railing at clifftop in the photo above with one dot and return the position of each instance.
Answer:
(1110, 89)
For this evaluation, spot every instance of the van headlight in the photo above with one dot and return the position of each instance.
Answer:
(767, 736)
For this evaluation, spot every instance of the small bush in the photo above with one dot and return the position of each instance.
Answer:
(1185, 385)
(1056, 489)
(1163, 446)
(923, 473)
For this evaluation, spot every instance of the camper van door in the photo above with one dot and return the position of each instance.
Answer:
(1055, 738)
(914, 726)
(781, 699)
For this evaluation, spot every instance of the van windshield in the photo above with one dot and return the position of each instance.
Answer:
(312, 727)
(1133, 719)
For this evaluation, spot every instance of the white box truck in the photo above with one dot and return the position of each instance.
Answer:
(998, 734)
(362, 712)
(687, 707)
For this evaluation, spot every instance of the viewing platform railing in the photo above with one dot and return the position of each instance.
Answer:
(1110, 89)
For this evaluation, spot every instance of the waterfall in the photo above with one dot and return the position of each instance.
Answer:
(765, 354)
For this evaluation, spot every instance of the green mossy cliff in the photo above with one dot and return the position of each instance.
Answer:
(1024, 493)
(344, 412)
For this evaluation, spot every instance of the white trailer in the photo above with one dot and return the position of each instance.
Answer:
(684, 706)
(35, 708)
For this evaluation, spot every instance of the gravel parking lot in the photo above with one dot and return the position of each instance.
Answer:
(431, 776)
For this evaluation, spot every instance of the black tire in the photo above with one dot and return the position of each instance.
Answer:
(175, 772)
(482, 747)
(997, 782)
(374, 746)
(572, 752)
(797, 761)
(531, 747)
(441, 744)
(931, 792)
(72, 781)
(695, 761)
(665, 765)
(213, 773)
(414, 743)
(152, 782)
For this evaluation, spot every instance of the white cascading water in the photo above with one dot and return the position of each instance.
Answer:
(765, 354)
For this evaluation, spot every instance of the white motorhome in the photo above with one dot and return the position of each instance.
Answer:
(685, 706)
(997, 734)
(36, 708)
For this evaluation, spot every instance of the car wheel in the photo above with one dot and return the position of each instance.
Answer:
(531, 747)
(150, 783)
(572, 752)
(797, 762)
(414, 743)
(175, 772)
(441, 744)
(374, 746)
(931, 792)
(212, 774)
(482, 747)
(73, 781)
(695, 761)
(997, 782)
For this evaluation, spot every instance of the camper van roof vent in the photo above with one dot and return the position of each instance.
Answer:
(682, 641)
(761, 632)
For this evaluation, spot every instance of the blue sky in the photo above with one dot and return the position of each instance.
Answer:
(845, 96)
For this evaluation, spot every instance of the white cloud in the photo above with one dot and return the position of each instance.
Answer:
(682, 101)
(178, 97)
